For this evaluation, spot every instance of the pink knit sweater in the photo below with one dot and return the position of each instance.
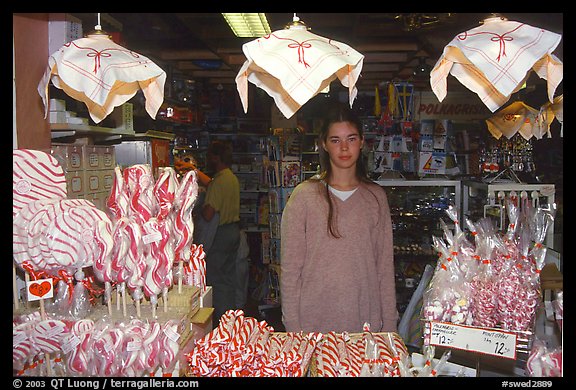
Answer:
(337, 284)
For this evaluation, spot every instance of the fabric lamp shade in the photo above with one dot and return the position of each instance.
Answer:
(549, 112)
(515, 118)
(293, 65)
(495, 59)
(102, 74)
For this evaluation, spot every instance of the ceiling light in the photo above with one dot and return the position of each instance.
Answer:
(248, 25)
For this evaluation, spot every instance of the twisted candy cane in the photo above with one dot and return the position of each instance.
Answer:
(184, 224)
(139, 180)
(151, 346)
(169, 347)
(118, 201)
(78, 360)
(105, 349)
(165, 191)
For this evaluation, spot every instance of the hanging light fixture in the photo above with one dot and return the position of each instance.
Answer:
(103, 75)
(248, 25)
(293, 65)
(495, 59)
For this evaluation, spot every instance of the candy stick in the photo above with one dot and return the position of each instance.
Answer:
(26, 280)
(124, 299)
(15, 288)
(441, 363)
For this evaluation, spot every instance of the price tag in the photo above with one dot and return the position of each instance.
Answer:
(486, 341)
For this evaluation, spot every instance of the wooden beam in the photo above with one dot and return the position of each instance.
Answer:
(213, 73)
(173, 55)
(386, 46)
(226, 80)
(380, 67)
(234, 59)
(385, 57)
(190, 65)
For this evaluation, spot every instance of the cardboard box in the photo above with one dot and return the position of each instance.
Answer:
(99, 157)
(99, 199)
(206, 297)
(57, 105)
(202, 322)
(70, 157)
(75, 183)
(92, 181)
(62, 28)
(123, 117)
(107, 177)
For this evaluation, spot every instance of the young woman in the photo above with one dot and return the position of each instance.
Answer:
(337, 266)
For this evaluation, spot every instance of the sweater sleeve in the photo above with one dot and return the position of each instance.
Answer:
(293, 253)
(386, 269)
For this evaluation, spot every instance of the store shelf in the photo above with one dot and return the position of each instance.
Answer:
(60, 130)
(477, 195)
(416, 207)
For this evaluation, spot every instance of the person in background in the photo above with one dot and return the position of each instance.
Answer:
(222, 200)
(337, 265)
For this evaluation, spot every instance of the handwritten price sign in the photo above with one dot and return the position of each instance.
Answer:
(486, 341)
(40, 289)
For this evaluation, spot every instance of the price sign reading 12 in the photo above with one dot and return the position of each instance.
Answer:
(487, 341)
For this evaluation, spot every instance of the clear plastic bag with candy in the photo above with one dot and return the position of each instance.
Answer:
(484, 284)
(446, 296)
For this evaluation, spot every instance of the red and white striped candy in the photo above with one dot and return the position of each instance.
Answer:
(132, 271)
(78, 360)
(151, 346)
(120, 247)
(356, 353)
(186, 196)
(118, 201)
(70, 238)
(139, 180)
(36, 175)
(104, 244)
(104, 349)
(169, 346)
(39, 226)
(165, 191)
(329, 355)
(154, 272)
(22, 347)
(48, 335)
(27, 229)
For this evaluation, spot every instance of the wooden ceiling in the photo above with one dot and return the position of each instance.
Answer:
(200, 47)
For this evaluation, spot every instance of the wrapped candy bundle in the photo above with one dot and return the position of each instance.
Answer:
(169, 347)
(243, 346)
(132, 356)
(558, 305)
(544, 362)
(445, 298)
(105, 350)
(484, 284)
(78, 347)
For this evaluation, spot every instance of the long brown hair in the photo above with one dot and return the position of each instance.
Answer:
(341, 114)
